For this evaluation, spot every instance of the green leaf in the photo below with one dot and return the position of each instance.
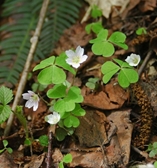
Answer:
(155, 145)
(93, 80)
(43, 140)
(96, 12)
(155, 164)
(150, 147)
(5, 111)
(58, 91)
(61, 165)
(71, 121)
(103, 48)
(27, 142)
(152, 153)
(127, 76)
(2, 150)
(78, 111)
(109, 69)
(69, 105)
(6, 95)
(43, 64)
(50, 75)
(141, 30)
(102, 36)
(123, 64)
(59, 106)
(5, 143)
(60, 134)
(9, 150)
(95, 27)
(90, 85)
(63, 106)
(67, 158)
(60, 61)
(74, 94)
(118, 38)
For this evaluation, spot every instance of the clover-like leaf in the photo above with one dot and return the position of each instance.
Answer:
(60, 134)
(46, 62)
(6, 95)
(74, 94)
(127, 76)
(118, 38)
(141, 30)
(109, 69)
(67, 158)
(71, 121)
(102, 36)
(63, 106)
(57, 91)
(44, 140)
(78, 111)
(122, 64)
(103, 48)
(52, 74)
(95, 27)
(153, 153)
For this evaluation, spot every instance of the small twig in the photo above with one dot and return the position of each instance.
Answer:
(145, 62)
(48, 161)
(142, 153)
(51, 132)
(23, 79)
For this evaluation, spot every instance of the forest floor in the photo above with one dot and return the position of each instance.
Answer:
(118, 125)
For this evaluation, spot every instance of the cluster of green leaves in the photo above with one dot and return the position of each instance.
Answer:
(152, 149)
(6, 96)
(96, 12)
(66, 159)
(126, 73)
(141, 30)
(66, 98)
(92, 83)
(104, 45)
(5, 144)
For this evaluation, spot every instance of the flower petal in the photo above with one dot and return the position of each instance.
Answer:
(29, 104)
(26, 96)
(83, 58)
(52, 118)
(133, 59)
(79, 51)
(70, 53)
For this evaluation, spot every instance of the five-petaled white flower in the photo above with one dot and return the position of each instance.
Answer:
(133, 59)
(32, 100)
(53, 118)
(75, 58)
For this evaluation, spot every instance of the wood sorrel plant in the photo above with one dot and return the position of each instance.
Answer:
(104, 45)
(66, 97)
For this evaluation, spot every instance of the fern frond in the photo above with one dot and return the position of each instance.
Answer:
(15, 43)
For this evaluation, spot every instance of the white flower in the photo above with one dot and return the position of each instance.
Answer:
(53, 118)
(75, 58)
(133, 59)
(149, 165)
(32, 100)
